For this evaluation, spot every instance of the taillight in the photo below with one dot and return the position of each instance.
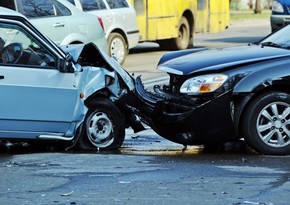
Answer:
(101, 22)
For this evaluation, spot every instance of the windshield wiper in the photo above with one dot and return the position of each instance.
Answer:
(270, 44)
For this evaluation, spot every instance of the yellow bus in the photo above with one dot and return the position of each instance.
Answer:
(172, 23)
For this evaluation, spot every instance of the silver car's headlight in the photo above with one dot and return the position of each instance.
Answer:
(277, 7)
(203, 84)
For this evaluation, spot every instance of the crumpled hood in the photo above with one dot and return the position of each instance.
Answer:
(217, 59)
(78, 50)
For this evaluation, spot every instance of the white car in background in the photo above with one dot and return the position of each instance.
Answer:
(119, 21)
(61, 21)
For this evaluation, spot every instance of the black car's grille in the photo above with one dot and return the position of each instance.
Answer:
(175, 84)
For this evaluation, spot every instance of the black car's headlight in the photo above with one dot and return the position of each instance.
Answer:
(203, 84)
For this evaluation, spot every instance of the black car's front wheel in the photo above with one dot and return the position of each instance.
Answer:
(266, 123)
(103, 127)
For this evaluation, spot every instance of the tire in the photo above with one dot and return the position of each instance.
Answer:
(104, 127)
(118, 47)
(266, 124)
(183, 39)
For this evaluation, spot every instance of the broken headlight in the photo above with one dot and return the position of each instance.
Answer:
(203, 84)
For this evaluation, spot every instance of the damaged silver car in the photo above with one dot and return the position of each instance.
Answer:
(72, 94)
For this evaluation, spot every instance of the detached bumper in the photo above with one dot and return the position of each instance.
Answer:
(185, 122)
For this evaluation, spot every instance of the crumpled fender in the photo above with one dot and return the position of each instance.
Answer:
(92, 79)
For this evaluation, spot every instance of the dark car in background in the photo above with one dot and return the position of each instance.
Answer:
(223, 94)
(280, 14)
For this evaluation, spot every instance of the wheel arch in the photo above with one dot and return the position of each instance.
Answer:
(122, 33)
(73, 37)
(112, 139)
(242, 102)
(190, 19)
(103, 93)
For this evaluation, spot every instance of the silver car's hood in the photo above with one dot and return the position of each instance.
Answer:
(97, 58)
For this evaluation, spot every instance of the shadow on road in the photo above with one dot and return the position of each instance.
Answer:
(130, 147)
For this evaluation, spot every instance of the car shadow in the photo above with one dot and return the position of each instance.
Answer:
(229, 148)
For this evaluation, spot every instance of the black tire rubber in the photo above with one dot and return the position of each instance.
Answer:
(164, 45)
(183, 39)
(120, 53)
(254, 117)
(108, 111)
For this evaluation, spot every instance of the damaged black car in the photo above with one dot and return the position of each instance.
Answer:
(223, 94)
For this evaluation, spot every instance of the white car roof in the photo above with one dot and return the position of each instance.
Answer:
(9, 12)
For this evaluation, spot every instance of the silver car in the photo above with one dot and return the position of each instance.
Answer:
(118, 18)
(61, 21)
(74, 93)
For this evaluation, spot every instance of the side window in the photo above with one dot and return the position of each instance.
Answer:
(116, 4)
(90, 5)
(201, 5)
(43, 8)
(8, 4)
(18, 47)
(62, 10)
(37, 8)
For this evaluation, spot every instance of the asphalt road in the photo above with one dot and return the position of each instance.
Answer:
(148, 169)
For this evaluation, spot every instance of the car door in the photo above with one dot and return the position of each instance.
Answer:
(125, 18)
(99, 9)
(36, 98)
(49, 16)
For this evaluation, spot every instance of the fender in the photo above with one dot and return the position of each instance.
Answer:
(74, 37)
(256, 82)
(259, 78)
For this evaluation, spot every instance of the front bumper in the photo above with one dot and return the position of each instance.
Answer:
(184, 122)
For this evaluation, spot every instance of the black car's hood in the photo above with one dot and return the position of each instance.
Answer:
(217, 59)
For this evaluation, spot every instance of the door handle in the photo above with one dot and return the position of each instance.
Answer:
(57, 25)
(1, 77)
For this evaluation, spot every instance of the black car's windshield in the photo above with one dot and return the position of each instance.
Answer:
(280, 38)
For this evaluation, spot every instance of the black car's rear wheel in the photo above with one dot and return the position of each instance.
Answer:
(266, 124)
(103, 127)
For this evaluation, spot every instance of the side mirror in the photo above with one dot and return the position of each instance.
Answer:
(67, 65)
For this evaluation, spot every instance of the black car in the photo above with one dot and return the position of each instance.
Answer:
(223, 94)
